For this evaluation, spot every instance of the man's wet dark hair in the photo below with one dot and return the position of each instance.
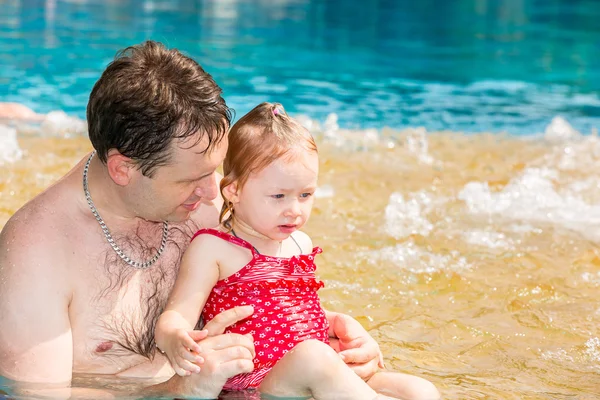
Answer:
(149, 96)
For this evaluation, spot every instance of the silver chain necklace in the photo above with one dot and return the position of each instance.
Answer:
(116, 248)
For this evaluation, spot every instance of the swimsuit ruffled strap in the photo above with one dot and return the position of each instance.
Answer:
(225, 236)
(303, 263)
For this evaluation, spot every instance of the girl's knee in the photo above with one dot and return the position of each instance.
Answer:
(313, 348)
(422, 389)
(317, 354)
(404, 386)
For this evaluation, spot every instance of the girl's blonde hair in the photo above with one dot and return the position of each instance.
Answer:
(259, 138)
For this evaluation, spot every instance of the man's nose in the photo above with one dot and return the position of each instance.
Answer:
(208, 191)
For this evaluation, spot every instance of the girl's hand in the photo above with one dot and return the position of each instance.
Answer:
(183, 352)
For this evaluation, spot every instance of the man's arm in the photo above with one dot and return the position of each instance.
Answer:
(354, 344)
(36, 344)
(225, 355)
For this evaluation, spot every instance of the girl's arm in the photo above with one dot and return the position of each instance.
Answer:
(175, 333)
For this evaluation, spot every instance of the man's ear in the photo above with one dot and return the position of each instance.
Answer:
(231, 192)
(120, 167)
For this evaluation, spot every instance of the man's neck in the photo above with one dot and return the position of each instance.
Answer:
(108, 197)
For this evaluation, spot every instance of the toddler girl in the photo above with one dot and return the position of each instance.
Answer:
(259, 257)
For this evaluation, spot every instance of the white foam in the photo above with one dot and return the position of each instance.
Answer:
(348, 288)
(533, 197)
(330, 132)
(523, 228)
(560, 355)
(9, 147)
(417, 144)
(593, 278)
(592, 349)
(324, 192)
(410, 257)
(407, 217)
(492, 240)
(588, 354)
(579, 154)
(503, 86)
(559, 130)
(414, 140)
(58, 123)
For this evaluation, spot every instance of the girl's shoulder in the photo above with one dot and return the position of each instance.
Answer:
(303, 241)
(212, 238)
(211, 232)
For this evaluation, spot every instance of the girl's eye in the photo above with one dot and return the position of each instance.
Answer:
(277, 196)
(305, 195)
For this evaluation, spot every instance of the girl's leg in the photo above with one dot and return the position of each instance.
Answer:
(312, 368)
(403, 386)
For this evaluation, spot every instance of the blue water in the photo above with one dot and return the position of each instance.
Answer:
(462, 65)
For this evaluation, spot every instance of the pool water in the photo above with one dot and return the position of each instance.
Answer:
(465, 65)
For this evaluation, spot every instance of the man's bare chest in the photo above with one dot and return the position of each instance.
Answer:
(115, 307)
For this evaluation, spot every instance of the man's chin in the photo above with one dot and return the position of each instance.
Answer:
(179, 216)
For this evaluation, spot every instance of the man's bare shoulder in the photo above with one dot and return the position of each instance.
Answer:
(35, 276)
(40, 233)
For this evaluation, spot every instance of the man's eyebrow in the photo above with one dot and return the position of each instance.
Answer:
(195, 178)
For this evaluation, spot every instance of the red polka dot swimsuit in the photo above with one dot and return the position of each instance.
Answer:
(287, 310)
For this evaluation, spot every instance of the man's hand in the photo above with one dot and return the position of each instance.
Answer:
(354, 344)
(225, 355)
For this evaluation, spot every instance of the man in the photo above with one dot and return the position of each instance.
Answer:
(91, 260)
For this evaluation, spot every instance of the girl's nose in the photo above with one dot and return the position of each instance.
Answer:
(293, 210)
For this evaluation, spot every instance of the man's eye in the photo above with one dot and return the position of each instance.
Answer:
(201, 178)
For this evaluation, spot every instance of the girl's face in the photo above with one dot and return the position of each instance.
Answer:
(278, 200)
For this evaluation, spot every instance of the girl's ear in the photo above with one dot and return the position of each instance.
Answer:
(231, 192)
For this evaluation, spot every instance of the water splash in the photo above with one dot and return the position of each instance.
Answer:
(330, 132)
(590, 277)
(560, 355)
(410, 257)
(417, 144)
(592, 349)
(407, 217)
(325, 192)
(533, 197)
(492, 240)
(559, 130)
(58, 123)
(9, 147)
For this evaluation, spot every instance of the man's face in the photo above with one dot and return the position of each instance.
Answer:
(178, 189)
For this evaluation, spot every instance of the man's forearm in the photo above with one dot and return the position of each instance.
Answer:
(185, 387)
(64, 393)
(181, 387)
